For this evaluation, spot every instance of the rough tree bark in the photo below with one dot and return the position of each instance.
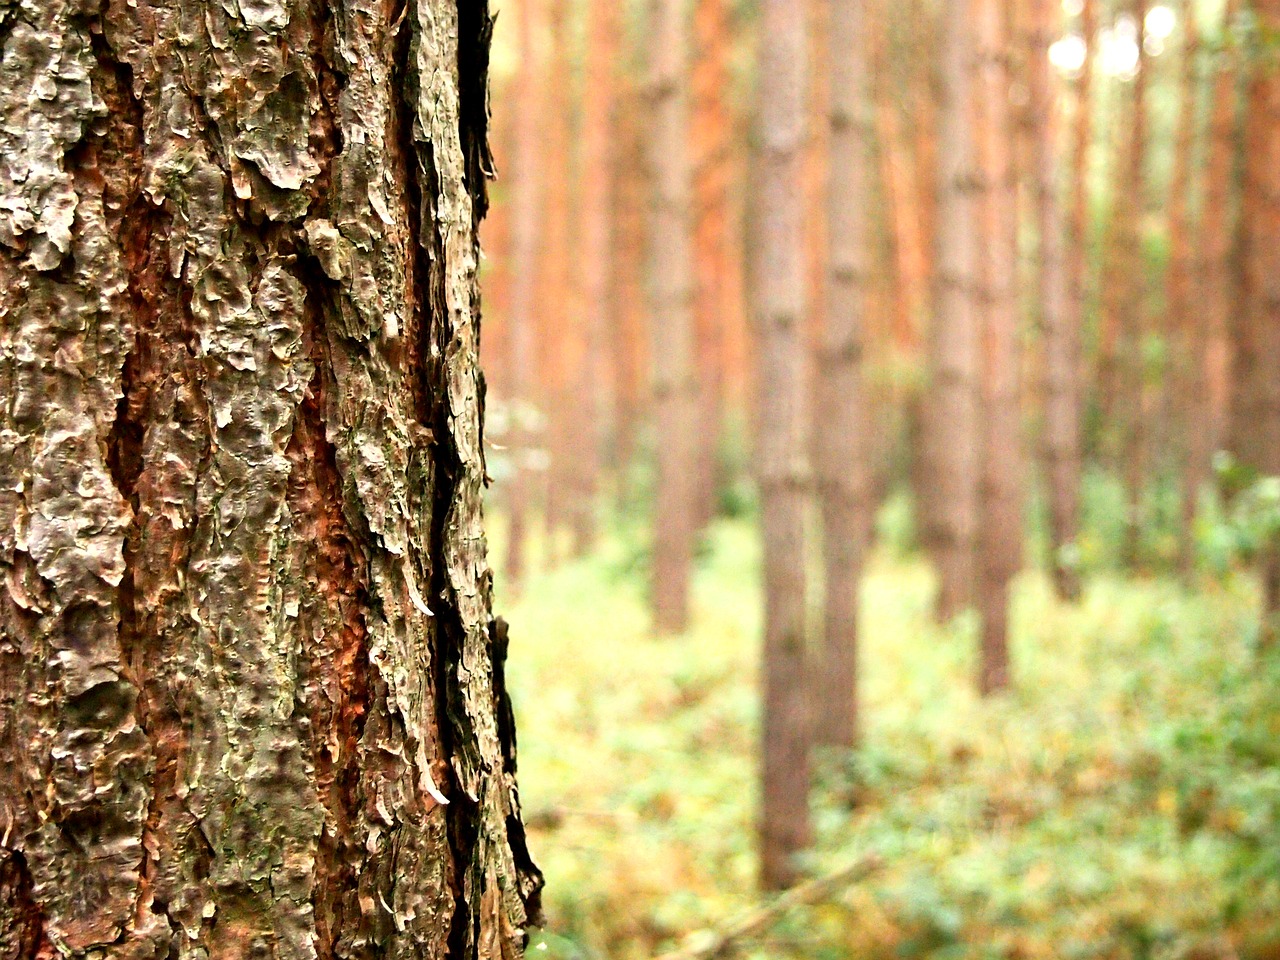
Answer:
(674, 377)
(1000, 530)
(522, 320)
(840, 417)
(246, 647)
(782, 461)
(948, 493)
(1062, 345)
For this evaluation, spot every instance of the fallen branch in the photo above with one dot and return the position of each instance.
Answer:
(707, 944)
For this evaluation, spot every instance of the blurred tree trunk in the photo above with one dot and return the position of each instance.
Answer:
(1259, 347)
(592, 377)
(674, 348)
(1219, 229)
(1062, 344)
(712, 135)
(522, 359)
(902, 202)
(1185, 321)
(948, 490)
(1125, 320)
(924, 81)
(240, 453)
(841, 422)
(1000, 529)
(1077, 256)
(559, 296)
(630, 352)
(782, 466)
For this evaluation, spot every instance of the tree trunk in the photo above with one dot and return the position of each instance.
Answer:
(587, 410)
(1077, 255)
(1184, 318)
(711, 135)
(1260, 346)
(898, 174)
(251, 692)
(1062, 345)
(782, 465)
(1218, 230)
(1125, 321)
(1000, 536)
(526, 203)
(630, 352)
(674, 379)
(559, 291)
(948, 495)
(841, 421)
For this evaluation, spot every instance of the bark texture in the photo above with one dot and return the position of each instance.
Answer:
(246, 646)
(841, 421)
(782, 460)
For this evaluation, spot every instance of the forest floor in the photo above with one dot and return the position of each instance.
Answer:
(1122, 802)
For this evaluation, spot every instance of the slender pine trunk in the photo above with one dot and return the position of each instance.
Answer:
(782, 465)
(948, 490)
(840, 416)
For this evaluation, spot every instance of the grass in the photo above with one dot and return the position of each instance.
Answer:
(1123, 801)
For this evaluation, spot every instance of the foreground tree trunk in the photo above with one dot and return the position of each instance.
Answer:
(841, 421)
(251, 692)
(948, 492)
(1000, 530)
(674, 379)
(781, 455)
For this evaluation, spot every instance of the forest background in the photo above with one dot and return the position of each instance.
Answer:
(931, 389)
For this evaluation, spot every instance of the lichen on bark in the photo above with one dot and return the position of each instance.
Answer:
(250, 684)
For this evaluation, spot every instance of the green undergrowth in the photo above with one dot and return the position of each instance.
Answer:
(1123, 801)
